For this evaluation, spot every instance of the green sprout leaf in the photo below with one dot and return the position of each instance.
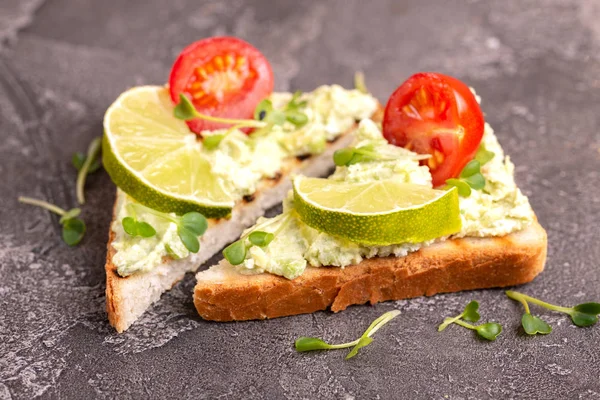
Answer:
(471, 313)
(295, 103)
(310, 343)
(534, 325)
(342, 157)
(489, 331)
(171, 253)
(354, 155)
(260, 238)
(235, 253)
(483, 155)
(588, 308)
(194, 222)
(213, 141)
(297, 118)
(362, 342)
(262, 109)
(133, 227)
(476, 181)
(583, 319)
(185, 110)
(129, 226)
(189, 239)
(73, 230)
(464, 189)
(472, 168)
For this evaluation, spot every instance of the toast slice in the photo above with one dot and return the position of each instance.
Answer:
(128, 297)
(223, 294)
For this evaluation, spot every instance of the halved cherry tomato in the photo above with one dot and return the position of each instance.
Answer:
(435, 114)
(222, 76)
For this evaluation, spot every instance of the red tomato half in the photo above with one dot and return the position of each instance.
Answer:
(224, 77)
(435, 114)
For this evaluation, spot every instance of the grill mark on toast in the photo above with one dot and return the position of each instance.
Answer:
(303, 157)
(249, 198)
(277, 177)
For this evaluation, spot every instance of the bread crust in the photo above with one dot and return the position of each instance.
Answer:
(119, 299)
(449, 266)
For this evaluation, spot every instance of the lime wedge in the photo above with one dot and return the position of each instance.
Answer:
(154, 157)
(377, 213)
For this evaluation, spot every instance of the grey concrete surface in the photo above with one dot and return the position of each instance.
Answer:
(535, 63)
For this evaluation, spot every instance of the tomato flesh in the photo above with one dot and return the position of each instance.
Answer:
(223, 77)
(435, 114)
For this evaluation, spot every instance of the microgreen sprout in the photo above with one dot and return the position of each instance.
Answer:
(235, 253)
(469, 178)
(73, 228)
(353, 155)
(483, 155)
(489, 331)
(359, 82)
(90, 164)
(190, 225)
(266, 113)
(585, 314)
(310, 343)
(265, 117)
(133, 227)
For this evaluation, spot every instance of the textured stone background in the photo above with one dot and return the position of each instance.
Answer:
(535, 63)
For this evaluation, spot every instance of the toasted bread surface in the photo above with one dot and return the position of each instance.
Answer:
(128, 297)
(222, 294)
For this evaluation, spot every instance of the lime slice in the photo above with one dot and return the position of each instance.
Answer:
(377, 213)
(154, 157)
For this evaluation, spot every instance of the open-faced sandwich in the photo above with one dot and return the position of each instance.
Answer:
(424, 203)
(199, 160)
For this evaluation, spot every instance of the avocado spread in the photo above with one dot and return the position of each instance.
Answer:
(241, 161)
(499, 209)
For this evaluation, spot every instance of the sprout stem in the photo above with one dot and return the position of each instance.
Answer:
(42, 204)
(155, 212)
(523, 297)
(92, 153)
(465, 324)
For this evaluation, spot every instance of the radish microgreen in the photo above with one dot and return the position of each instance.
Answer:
(235, 253)
(489, 331)
(469, 178)
(89, 163)
(265, 117)
(73, 228)
(585, 314)
(310, 343)
(271, 116)
(190, 225)
(483, 155)
(354, 155)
